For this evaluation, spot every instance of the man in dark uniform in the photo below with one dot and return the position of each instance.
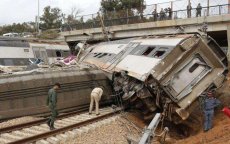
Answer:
(155, 15)
(51, 103)
(162, 14)
(170, 13)
(189, 8)
(198, 10)
(209, 104)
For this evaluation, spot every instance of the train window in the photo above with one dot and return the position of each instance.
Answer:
(58, 53)
(120, 46)
(159, 53)
(8, 62)
(97, 55)
(21, 62)
(193, 67)
(26, 50)
(102, 55)
(148, 51)
(50, 53)
(65, 53)
(135, 45)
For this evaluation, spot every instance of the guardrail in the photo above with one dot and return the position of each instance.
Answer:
(112, 19)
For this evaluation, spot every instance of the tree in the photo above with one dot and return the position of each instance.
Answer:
(70, 20)
(72, 17)
(51, 19)
(123, 6)
(18, 28)
(110, 5)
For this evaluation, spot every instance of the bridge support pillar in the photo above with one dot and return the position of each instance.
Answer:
(228, 35)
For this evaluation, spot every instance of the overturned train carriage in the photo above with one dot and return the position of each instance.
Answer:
(25, 94)
(161, 73)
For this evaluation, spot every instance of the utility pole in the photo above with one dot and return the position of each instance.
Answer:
(38, 17)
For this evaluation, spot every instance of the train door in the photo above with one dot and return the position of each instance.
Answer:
(183, 81)
(40, 52)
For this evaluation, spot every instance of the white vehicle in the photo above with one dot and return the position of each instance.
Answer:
(11, 35)
(17, 52)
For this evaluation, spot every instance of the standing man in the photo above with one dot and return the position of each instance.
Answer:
(155, 15)
(170, 13)
(162, 14)
(51, 103)
(95, 97)
(189, 9)
(209, 104)
(198, 10)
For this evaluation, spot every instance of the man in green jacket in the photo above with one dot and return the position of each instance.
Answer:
(51, 103)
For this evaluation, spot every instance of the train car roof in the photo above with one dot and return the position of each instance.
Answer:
(133, 59)
(50, 46)
(5, 38)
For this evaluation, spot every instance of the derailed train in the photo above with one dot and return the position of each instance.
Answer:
(25, 94)
(161, 73)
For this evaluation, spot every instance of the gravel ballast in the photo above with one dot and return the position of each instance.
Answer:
(18, 121)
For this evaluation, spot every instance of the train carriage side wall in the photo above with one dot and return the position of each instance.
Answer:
(26, 95)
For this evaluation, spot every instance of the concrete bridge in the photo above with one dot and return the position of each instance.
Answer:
(217, 25)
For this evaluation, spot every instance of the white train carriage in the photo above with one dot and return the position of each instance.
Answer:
(14, 52)
(17, 51)
(49, 53)
(162, 72)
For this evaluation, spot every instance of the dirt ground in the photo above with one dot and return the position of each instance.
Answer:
(220, 133)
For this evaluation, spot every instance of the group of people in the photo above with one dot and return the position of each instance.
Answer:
(163, 15)
(52, 102)
(166, 14)
(198, 10)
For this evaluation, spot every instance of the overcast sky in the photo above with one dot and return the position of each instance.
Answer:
(17, 11)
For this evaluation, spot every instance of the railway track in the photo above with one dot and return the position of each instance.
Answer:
(67, 125)
(37, 122)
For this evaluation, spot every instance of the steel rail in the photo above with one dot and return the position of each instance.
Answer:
(61, 130)
(37, 122)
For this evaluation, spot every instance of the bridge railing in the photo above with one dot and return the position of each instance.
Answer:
(93, 21)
